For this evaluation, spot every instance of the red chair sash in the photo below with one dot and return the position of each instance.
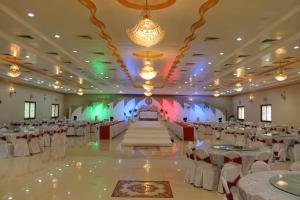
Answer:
(237, 160)
(206, 159)
(277, 141)
(22, 137)
(3, 138)
(192, 157)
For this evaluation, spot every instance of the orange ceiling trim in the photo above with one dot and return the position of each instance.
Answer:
(105, 36)
(182, 51)
(152, 5)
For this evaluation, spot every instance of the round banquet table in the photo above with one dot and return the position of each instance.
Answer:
(258, 184)
(217, 155)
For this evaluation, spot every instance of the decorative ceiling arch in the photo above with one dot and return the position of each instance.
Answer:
(199, 23)
(152, 4)
(105, 36)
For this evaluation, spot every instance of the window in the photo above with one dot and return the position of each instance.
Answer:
(55, 111)
(241, 112)
(29, 110)
(266, 113)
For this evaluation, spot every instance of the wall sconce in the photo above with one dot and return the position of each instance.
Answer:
(12, 91)
(251, 98)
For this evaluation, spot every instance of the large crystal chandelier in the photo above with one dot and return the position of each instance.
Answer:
(148, 72)
(148, 86)
(147, 32)
(14, 71)
(281, 75)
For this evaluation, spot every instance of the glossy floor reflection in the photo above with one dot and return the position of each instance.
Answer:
(88, 169)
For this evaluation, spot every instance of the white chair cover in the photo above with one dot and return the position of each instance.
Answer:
(230, 177)
(260, 166)
(21, 146)
(3, 147)
(34, 144)
(191, 165)
(295, 166)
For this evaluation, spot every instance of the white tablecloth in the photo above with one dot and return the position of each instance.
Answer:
(258, 185)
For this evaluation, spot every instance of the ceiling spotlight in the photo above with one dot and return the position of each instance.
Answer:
(248, 68)
(57, 36)
(216, 93)
(281, 75)
(209, 63)
(30, 14)
(296, 47)
(71, 76)
(80, 92)
(106, 77)
(101, 73)
(238, 87)
(27, 56)
(75, 51)
(239, 39)
(14, 71)
(221, 53)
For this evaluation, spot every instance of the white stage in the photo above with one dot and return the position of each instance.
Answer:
(147, 134)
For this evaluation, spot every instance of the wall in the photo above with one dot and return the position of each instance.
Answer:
(206, 108)
(12, 107)
(285, 104)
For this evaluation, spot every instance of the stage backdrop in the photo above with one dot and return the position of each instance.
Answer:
(121, 107)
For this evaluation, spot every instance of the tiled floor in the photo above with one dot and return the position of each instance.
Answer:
(88, 170)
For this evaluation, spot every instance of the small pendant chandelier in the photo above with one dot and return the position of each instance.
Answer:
(80, 92)
(14, 71)
(56, 85)
(148, 86)
(216, 93)
(148, 72)
(146, 32)
(148, 94)
(281, 75)
(238, 87)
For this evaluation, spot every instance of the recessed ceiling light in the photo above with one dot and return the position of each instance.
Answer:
(92, 86)
(101, 73)
(117, 85)
(27, 190)
(209, 63)
(75, 51)
(10, 198)
(30, 14)
(57, 36)
(121, 92)
(267, 60)
(87, 61)
(27, 56)
(221, 53)
(239, 39)
(201, 69)
(298, 72)
(176, 92)
(185, 82)
(71, 76)
(106, 77)
(30, 78)
(296, 47)
(248, 68)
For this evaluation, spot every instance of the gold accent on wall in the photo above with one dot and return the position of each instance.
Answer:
(199, 23)
(105, 36)
(152, 4)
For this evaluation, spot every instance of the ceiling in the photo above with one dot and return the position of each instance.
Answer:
(255, 38)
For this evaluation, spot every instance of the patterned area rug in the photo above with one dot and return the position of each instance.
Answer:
(145, 189)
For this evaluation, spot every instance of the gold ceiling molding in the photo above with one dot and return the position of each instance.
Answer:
(201, 11)
(105, 36)
(147, 54)
(152, 4)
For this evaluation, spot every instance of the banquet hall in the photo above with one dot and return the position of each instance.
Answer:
(150, 99)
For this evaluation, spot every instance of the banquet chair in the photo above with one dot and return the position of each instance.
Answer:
(206, 172)
(260, 166)
(295, 166)
(34, 144)
(264, 156)
(260, 142)
(71, 130)
(230, 158)
(55, 138)
(21, 145)
(278, 149)
(4, 152)
(230, 177)
(296, 150)
(191, 165)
